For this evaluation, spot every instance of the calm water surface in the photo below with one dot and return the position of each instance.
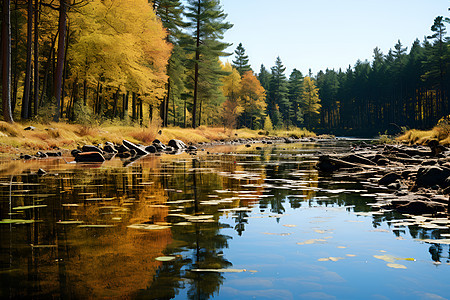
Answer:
(229, 223)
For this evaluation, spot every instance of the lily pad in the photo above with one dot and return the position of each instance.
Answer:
(396, 266)
(165, 258)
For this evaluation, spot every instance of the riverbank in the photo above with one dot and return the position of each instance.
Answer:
(27, 138)
(412, 179)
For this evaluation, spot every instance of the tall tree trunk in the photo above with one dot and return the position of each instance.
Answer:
(197, 58)
(116, 100)
(125, 104)
(85, 92)
(27, 81)
(141, 113)
(47, 70)
(63, 92)
(36, 56)
(58, 77)
(133, 107)
(174, 112)
(6, 61)
(14, 59)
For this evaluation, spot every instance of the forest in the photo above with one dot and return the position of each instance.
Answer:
(162, 63)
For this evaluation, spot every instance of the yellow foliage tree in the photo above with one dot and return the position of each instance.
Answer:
(231, 88)
(253, 97)
(121, 44)
(310, 101)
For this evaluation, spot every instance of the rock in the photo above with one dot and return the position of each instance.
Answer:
(258, 148)
(430, 176)
(41, 172)
(358, 159)
(41, 154)
(75, 152)
(330, 164)
(382, 162)
(169, 149)
(133, 152)
(53, 154)
(429, 162)
(158, 145)
(151, 149)
(177, 144)
(421, 207)
(248, 145)
(394, 186)
(89, 157)
(122, 149)
(389, 178)
(192, 148)
(124, 154)
(30, 128)
(139, 150)
(91, 148)
(109, 149)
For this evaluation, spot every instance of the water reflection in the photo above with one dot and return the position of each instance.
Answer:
(97, 231)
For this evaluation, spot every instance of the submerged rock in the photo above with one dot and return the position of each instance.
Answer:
(90, 157)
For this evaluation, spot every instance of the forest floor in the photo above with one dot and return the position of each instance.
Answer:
(20, 138)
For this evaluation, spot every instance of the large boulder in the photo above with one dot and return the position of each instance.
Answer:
(431, 176)
(389, 178)
(158, 145)
(177, 144)
(89, 157)
(139, 150)
(91, 148)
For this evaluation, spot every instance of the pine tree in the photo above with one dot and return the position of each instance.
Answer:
(207, 24)
(241, 62)
(264, 77)
(295, 88)
(170, 13)
(278, 102)
(311, 101)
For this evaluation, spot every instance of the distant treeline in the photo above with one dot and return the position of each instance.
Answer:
(399, 89)
(137, 61)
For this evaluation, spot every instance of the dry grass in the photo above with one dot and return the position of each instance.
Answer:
(422, 137)
(14, 139)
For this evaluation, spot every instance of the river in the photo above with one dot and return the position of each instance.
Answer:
(231, 222)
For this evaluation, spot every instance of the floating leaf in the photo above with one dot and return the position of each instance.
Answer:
(288, 225)
(220, 270)
(280, 234)
(165, 258)
(330, 259)
(95, 226)
(386, 257)
(16, 221)
(311, 241)
(69, 222)
(148, 226)
(342, 247)
(396, 266)
(351, 255)
(28, 207)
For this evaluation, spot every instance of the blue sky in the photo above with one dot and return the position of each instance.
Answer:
(320, 34)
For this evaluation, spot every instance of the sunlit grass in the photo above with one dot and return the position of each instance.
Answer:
(14, 139)
(422, 137)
